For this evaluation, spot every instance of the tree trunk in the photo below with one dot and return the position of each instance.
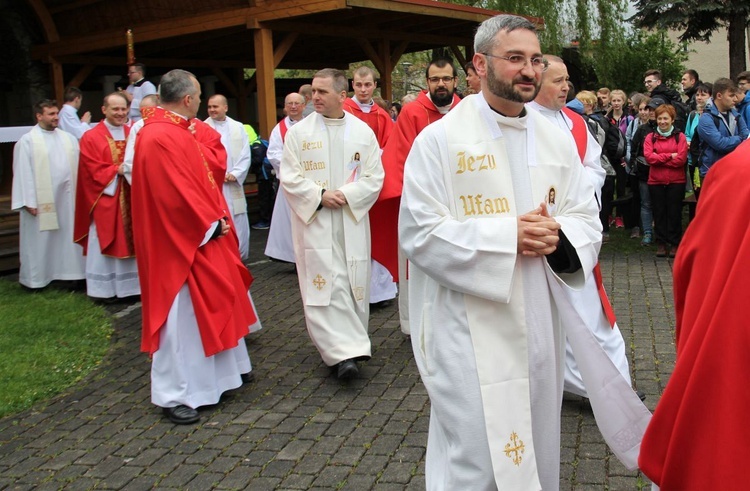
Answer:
(736, 37)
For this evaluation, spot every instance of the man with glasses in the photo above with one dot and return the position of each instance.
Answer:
(279, 244)
(743, 94)
(429, 106)
(496, 212)
(138, 89)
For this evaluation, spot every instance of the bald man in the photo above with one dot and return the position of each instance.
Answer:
(235, 142)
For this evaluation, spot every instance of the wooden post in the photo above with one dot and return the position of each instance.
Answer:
(58, 83)
(242, 97)
(386, 74)
(264, 66)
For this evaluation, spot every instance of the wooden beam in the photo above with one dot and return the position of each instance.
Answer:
(155, 62)
(182, 26)
(45, 18)
(82, 74)
(241, 96)
(459, 56)
(438, 9)
(386, 73)
(226, 81)
(283, 47)
(264, 65)
(398, 52)
(373, 55)
(365, 33)
(58, 84)
(72, 6)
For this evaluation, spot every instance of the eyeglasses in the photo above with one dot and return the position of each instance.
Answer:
(295, 103)
(446, 80)
(538, 63)
(649, 82)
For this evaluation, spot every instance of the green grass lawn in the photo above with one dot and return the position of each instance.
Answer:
(48, 341)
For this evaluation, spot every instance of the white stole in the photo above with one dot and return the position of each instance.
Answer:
(483, 188)
(237, 136)
(46, 209)
(316, 161)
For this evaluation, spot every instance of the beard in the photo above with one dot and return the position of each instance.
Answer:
(505, 90)
(442, 98)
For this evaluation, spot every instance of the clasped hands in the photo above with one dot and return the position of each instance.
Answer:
(537, 233)
(333, 199)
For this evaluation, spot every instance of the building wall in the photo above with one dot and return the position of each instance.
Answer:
(710, 60)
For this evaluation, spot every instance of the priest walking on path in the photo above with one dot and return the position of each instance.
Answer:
(103, 224)
(45, 168)
(495, 209)
(196, 307)
(331, 174)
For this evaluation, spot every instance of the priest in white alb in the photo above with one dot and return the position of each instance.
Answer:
(331, 174)
(45, 169)
(495, 210)
(236, 143)
(280, 244)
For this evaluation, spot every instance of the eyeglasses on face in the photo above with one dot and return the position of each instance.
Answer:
(446, 80)
(295, 103)
(648, 81)
(538, 63)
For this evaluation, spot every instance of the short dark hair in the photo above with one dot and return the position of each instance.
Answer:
(723, 84)
(693, 74)
(743, 76)
(71, 94)
(469, 66)
(655, 73)
(440, 63)
(704, 87)
(140, 67)
(40, 106)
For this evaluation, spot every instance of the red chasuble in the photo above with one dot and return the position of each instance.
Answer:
(414, 117)
(100, 157)
(699, 435)
(377, 119)
(176, 198)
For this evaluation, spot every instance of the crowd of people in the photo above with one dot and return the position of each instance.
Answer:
(483, 215)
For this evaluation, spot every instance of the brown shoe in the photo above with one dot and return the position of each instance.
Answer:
(661, 250)
(673, 252)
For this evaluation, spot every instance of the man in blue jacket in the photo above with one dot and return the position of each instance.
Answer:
(743, 106)
(720, 128)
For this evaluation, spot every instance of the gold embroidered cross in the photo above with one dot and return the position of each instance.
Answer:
(515, 447)
(319, 282)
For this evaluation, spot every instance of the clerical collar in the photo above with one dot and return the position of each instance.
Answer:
(112, 127)
(366, 107)
(219, 121)
(140, 82)
(46, 131)
(522, 114)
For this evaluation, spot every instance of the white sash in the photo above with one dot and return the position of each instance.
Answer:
(482, 187)
(316, 159)
(46, 209)
(236, 139)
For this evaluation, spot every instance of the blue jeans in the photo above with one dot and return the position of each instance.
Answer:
(647, 217)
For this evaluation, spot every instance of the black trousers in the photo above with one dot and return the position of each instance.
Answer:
(608, 191)
(666, 204)
(266, 198)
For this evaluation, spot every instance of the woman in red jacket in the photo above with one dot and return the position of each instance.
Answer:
(666, 152)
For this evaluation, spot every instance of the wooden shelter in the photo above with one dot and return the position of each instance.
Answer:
(226, 36)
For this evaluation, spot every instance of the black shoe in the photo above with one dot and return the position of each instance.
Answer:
(181, 415)
(261, 225)
(347, 370)
(248, 377)
(641, 395)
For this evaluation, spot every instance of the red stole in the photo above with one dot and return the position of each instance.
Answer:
(99, 160)
(581, 135)
(283, 128)
(176, 198)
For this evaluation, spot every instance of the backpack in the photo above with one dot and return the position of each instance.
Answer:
(699, 145)
(682, 111)
(614, 142)
(599, 134)
(259, 163)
